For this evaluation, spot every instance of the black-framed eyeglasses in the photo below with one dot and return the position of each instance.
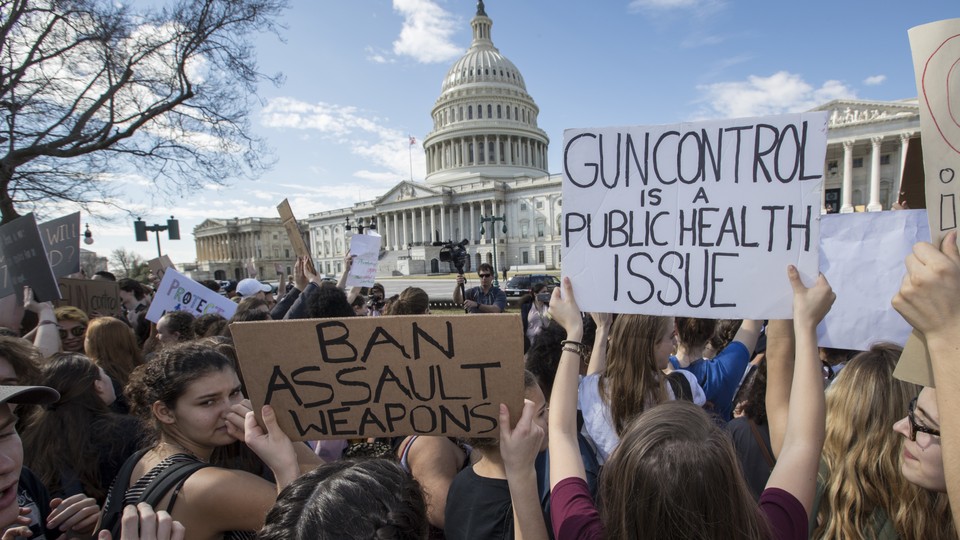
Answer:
(485, 275)
(914, 426)
(76, 331)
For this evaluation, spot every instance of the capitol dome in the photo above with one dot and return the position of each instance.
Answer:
(484, 121)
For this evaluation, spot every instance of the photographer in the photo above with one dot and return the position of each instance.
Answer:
(376, 300)
(483, 299)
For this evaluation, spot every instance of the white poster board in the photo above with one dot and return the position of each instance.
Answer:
(177, 292)
(366, 251)
(697, 219)
(862, 255)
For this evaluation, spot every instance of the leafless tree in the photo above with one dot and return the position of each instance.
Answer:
(91, 91)
(126, 263)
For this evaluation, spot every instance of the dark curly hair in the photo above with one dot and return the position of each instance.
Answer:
(329, 301)
(349, 499)
(181, 323)
(166, 377)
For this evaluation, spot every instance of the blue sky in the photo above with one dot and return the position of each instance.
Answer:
(361, 76)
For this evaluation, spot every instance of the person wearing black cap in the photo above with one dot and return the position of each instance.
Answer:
(19, 488)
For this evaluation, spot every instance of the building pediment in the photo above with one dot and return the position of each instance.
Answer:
(210, 224)
(845, 113)
(406, 190)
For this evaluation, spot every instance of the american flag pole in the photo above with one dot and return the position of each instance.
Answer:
(413, 141)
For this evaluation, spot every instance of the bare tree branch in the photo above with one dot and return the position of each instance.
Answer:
(90, 90)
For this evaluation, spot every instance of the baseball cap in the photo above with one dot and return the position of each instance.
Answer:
(30, 395)
(250, 287)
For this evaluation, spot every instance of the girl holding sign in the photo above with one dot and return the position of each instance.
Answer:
(674, 473)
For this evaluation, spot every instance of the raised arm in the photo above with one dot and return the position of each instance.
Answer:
(519, 447)
(780, 356)
(598, 354)
(565, 460)
(929, 299)
(748, 334)
(796, 468)
(47, 334)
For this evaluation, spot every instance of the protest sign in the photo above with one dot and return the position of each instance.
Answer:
(159, 266)
(294, 233)
(366, 251)
(384, 376)
(90, 295)
(862, 255)
(23, 261)
(177, 292)
(936, 52)
(696, 219)
(61, 239)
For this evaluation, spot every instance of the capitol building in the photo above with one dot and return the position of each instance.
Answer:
(487, 158)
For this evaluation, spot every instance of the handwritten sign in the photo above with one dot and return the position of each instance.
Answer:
(23, 261)
(378, 376)
(861, 255)
(936, 52)
(177, 292)
(90, 295)
(696, 219)
(61, 239)
(294, 233)
(159, 265)
(366, 251)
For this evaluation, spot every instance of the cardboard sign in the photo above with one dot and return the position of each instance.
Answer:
(23, 261)
(177, 292)
(61, 239)
(936, 51)
(159, 266)
(861, 255)
(366, 251)
(90, 295)
(384, 376)
(294, 233)
(696, 219)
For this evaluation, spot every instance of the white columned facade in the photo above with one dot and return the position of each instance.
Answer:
(874, 204)
(847, 189)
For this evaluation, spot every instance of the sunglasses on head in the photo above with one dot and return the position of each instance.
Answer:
(76, 331)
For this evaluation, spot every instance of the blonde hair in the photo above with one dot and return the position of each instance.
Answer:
(862, 456)
(70, 313)
(632, 380)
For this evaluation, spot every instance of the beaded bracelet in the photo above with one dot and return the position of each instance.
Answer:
(577, 347)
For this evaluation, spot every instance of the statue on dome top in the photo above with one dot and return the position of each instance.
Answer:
(480, 11)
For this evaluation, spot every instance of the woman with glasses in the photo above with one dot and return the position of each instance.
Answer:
(73, 326)
(929, 299)
(860, 491)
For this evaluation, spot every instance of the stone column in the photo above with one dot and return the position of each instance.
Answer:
(443, 223)
(904, 145)
(496, 149)
(433, 225)
(403, 216)
(424, 235)
(847, 191)
(474, 235)
(463, 232)
(874, 205)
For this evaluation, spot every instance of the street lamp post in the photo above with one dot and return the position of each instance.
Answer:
(140, 229)
(493, 220)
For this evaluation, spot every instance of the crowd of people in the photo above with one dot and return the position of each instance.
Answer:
(633, 426)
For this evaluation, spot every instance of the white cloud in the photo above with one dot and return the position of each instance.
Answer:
(380, 145)
(875, 80)
(427, 32)
(378, 57)
(779, 93)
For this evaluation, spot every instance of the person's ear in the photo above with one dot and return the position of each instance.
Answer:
(163, 413)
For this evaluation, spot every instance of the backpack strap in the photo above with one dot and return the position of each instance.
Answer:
(172, 477)
(767, 455)
(110, 518)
